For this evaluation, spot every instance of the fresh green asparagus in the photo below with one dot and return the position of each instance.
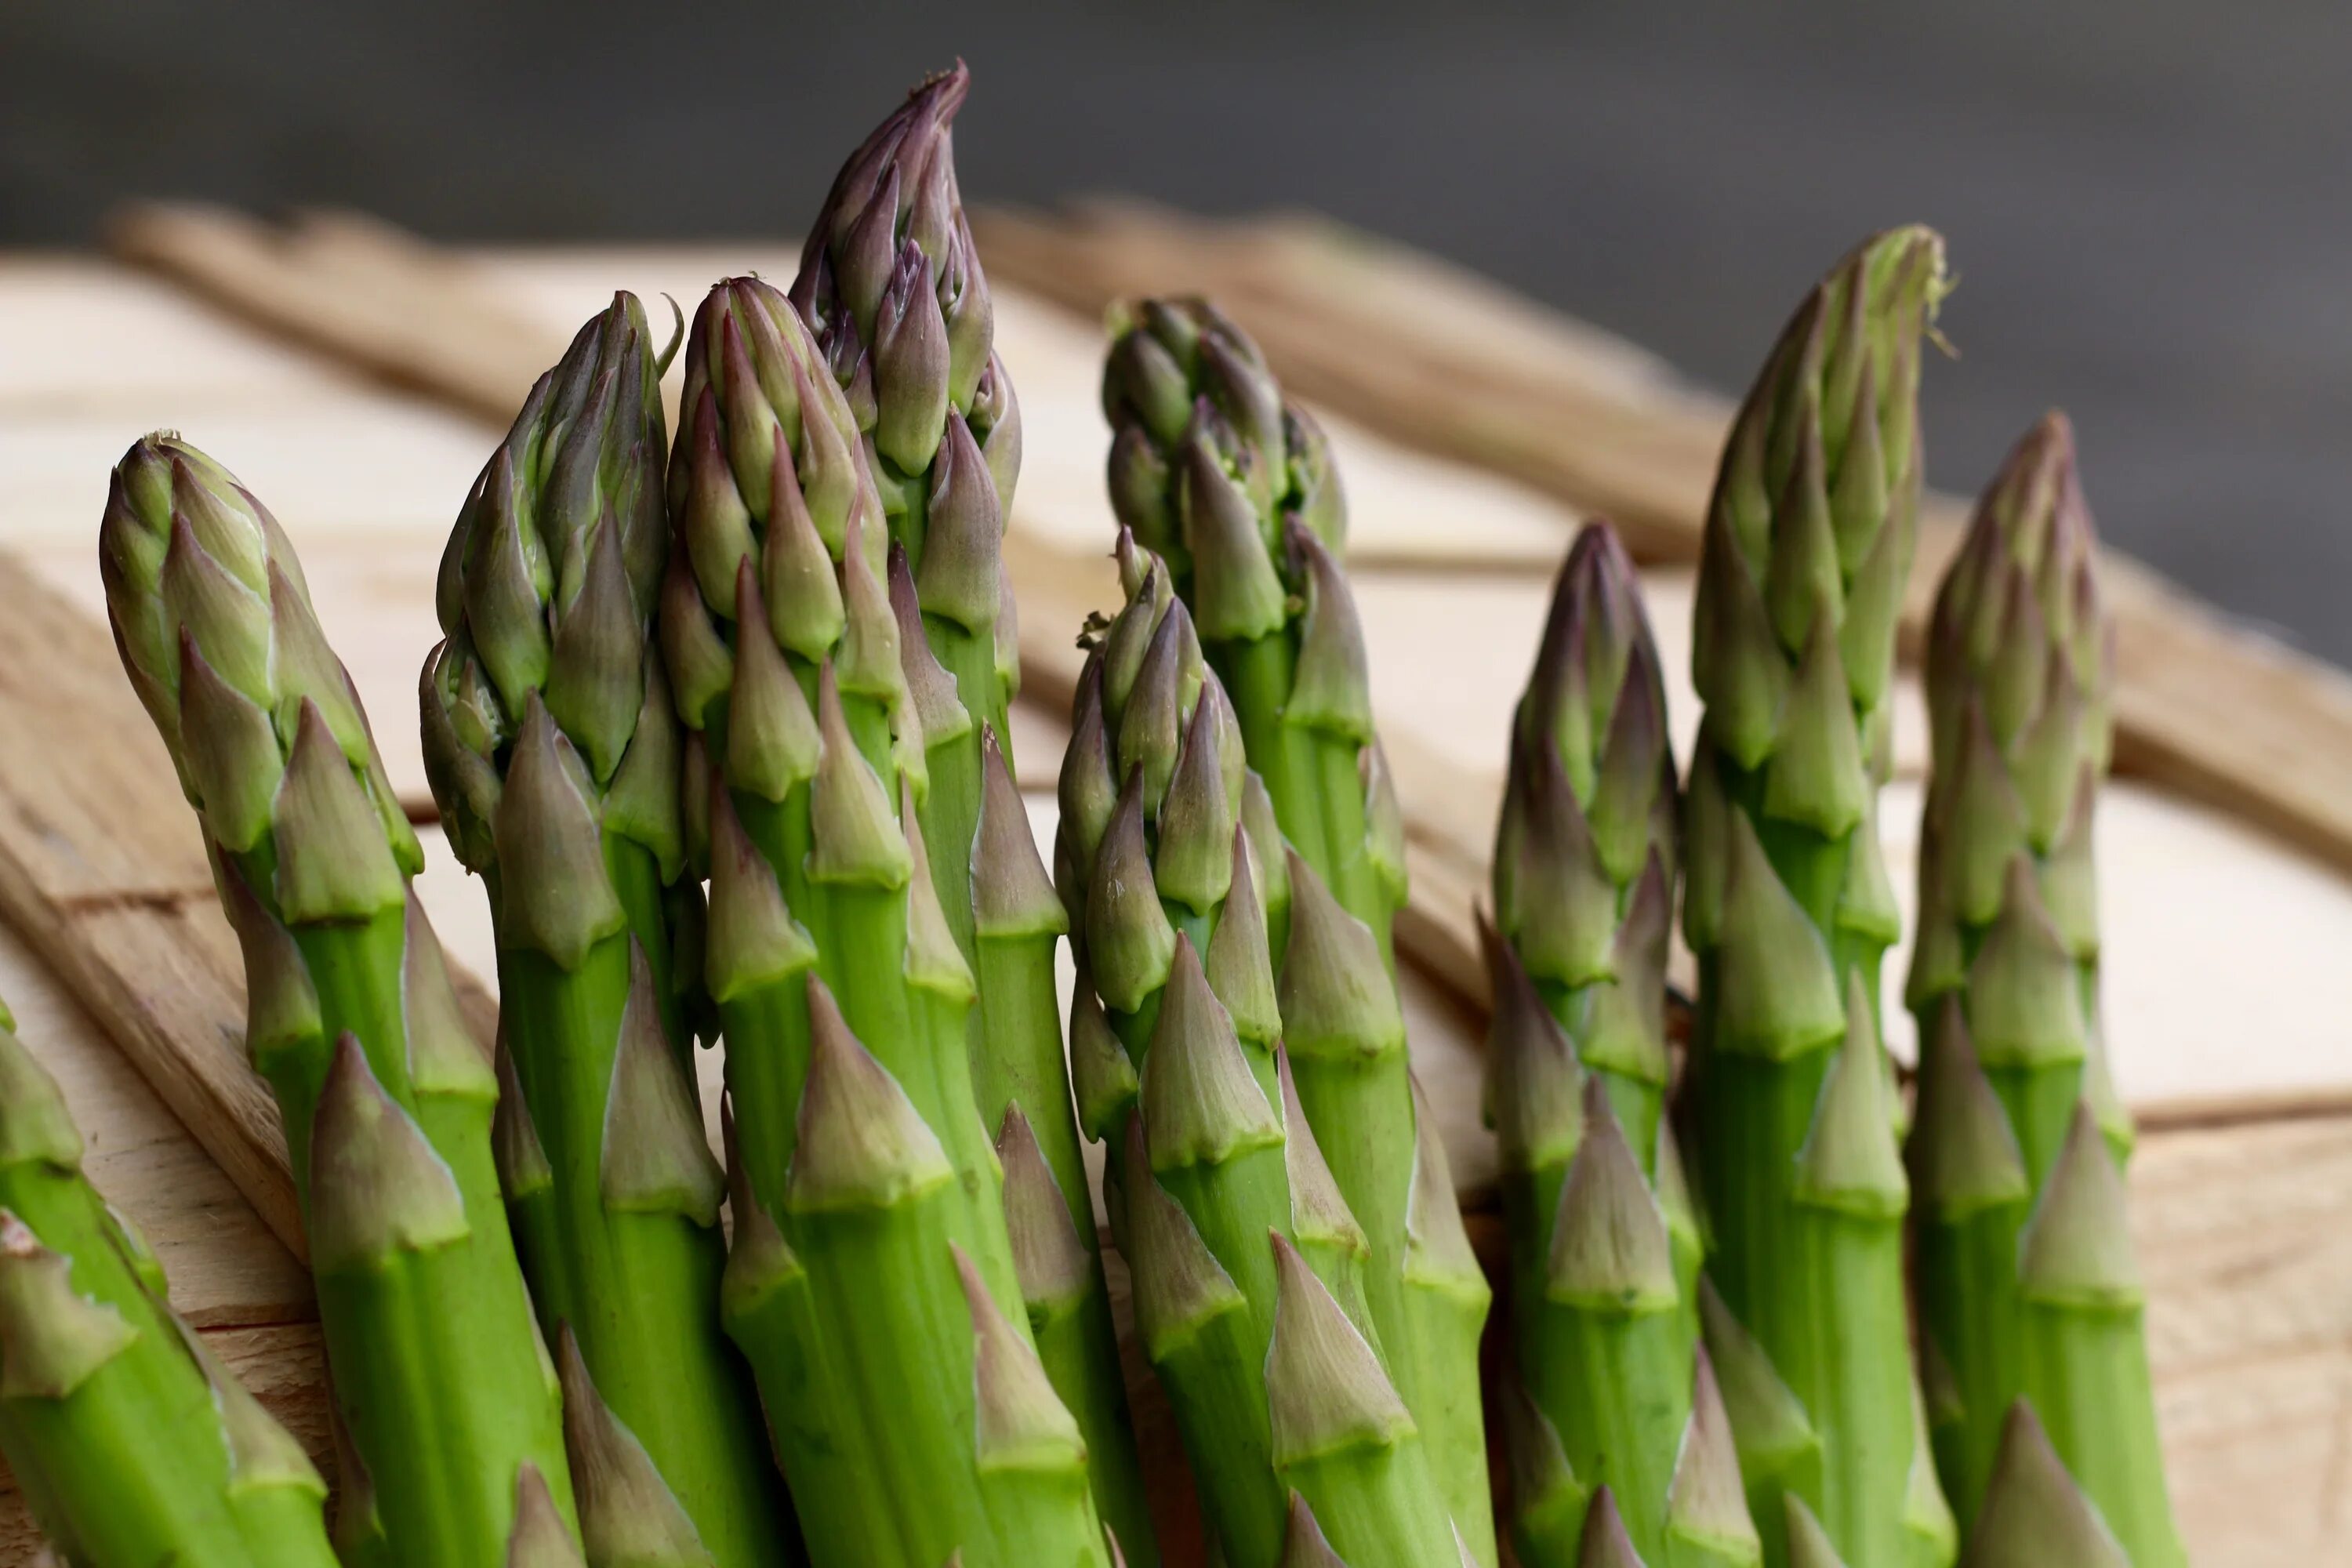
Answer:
(891, 289)
(873, 1281)
(1248, 1266)
(553, 753)
(440, 1377)
(1233, 487)
(1605, 1251)
(1788, 906)
(132, 1443)
(2027, 1284)
(2034, 1513)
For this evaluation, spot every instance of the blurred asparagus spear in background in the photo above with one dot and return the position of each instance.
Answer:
(1609, 1390)
(553, 753)
(133, 1445)
(891, 289)
(443, 1384)
(2027, 1284)
(1248, 1266)
(872, 1278)
(1232, 485)
(1788, 906)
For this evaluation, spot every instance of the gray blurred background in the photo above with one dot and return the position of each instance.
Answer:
(2149, 204)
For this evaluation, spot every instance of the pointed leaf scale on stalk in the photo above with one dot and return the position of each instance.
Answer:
(1323, 1384)
(1336, 998)
(1809, 1544)
(1438, 1253)
(445, 1055)
(1319, 1210)
(1240, 959)
(230, 752)
(557, 897)
(332, 860)
(1545, 1490)
(1180, 1285)
(1610, 1250)
(1130, 943)
(281, 1004)
(655, 1158)
(2024, 995)
(1849, 1161)
(1704, 1504)
(628, 1515)
(1332, 690)
(964, 534)
(35, 1128)
(1963, 1154)
(861, 1143)
(1304, 1544)
(805, 611)
(1238, 595)
(53, 1338)
(933, 962)
(1535, 1084)
(751, 939)
(1011, 895)
(855, 832)
(2034, 1513)
(1605, 1544)
(940, 712)
(1049, 1257)
(2076, 1249)
(773, 743)
(1023, 1424)
(1815, 778)
(515, 1145)
(1769, 1423)
(1201, 1103)
(1198, 825)
(1779, 992)
(1102, 1075)
(540, 1538)
(596, 676)
(377, 1187)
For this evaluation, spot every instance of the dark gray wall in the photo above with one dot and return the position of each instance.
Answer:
(2148, 202)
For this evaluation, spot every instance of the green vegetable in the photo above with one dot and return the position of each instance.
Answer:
(553, 753)
(1248, 1266)
(872, 1281)
(2027, 1284)
(1787, 904)
(133, 1445)
(1233, 487)
(440, 1374)
(1605, 1251)
(891, 289)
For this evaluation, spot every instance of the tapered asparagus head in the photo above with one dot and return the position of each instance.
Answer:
(548, 585)
(2021, 665)
(215, 626)
(1811, 531)
(890, 284)
(1209, 463)
(1590, 795)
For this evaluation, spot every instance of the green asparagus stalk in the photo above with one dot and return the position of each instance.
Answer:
(1788, 906)
(872, 1281)
(440, 1376)
(891, 289)
(553, 752)
(1605, 1256)
(2027, 1284)
(1233, 487)
(133, 1445)
(1248, 1266)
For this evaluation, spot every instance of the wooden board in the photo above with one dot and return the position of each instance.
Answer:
(2249, 1267)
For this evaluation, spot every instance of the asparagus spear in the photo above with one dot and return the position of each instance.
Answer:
(2034, 1513)
(891, 287)
(2027, 1285)
(440, 1374)
(133, 1445)
(1605, 1254)
(1788, 906)
(552, 750)
(872, 1281)
(1234, 489)
(1248, 1266)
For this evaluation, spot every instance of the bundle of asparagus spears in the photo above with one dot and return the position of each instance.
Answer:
(722, 725)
